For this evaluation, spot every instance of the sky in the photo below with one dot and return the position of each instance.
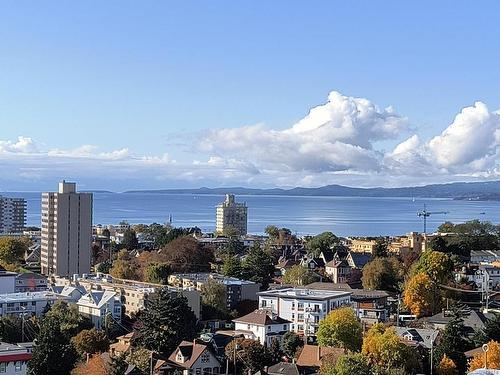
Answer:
(121, 95)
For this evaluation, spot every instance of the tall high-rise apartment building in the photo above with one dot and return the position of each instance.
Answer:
(231, 216)
(12, 215)
(66, 231)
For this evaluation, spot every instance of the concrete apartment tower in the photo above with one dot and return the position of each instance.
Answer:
(231, 216)
(12, 215)
(66, 231)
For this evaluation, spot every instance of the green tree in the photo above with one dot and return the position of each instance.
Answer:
(454, 342)
(214, 300)
(382, 273)
(321, 242)
(258, 266)
(349, 364)
(380, 249)
(157, 273)
(492, 328)
(291, 343)
(70, 320)
(141, 358)
(129, 240)
(118, 365)
(272, 231)
(12, 251)
(10, 328)
(90, 341)
(436, 265)
(299, 275)
(124, 269)
(165, 321)
(340, 328)
(53, 354)
(275, 351)
(232, 266)
(250, 355)
(104, 267)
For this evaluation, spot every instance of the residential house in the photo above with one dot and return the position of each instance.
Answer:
(30, 282)
(312, 263)
(193, 358)
(473, 320)
(99, 304)
(426, 338)
(304, 307)
(309, 360)
(282, 368)
(338, 270)
(263, 326)
(484, 256)
(122, 346)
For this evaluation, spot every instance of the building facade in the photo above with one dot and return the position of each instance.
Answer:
(28, 303)
(232, 216)
(14, 359)
(66, 231)
(236, 290)
(263, 326)
(98, 304)
(304, 308)
(12, 215)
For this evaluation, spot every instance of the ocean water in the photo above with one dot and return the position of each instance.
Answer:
(345, 216)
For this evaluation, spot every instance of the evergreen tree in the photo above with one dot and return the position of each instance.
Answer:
(165, 322)
(453, 342)
(258, 266)
(53, 353)
(291, 343)
(231, 266)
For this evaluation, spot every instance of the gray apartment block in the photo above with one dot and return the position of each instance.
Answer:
(12, 215)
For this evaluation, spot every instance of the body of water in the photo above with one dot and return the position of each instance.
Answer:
(345, 216)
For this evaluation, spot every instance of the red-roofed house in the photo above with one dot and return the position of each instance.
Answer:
(193, 358)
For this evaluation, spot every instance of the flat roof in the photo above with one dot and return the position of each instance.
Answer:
(305, 293)
(204, 276)
(29, 296)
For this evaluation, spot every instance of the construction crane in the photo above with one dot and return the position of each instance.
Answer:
(425, 214)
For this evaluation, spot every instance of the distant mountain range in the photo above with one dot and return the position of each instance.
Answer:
(458, 190)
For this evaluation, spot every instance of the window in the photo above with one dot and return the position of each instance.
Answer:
(205, 357)
(207, 370)
(18, 365)
(264, 303)
(284, 327)
(3, 366)
(198, 371)
(268, 328)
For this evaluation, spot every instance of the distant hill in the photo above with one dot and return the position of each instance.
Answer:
(458, 190)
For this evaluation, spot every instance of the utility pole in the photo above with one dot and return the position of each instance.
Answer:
(432, 354)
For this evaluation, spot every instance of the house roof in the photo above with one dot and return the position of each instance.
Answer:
(473, 352)
(311, 355)
(425, 337)
(260, 317)
(359, 259)
(282, 368)
(96, 298)
(191, 350)
(472, 319)
(337, 263)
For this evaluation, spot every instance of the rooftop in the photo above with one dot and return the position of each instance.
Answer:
(29, 296)
(204, 276)
(260, 317)
(305, 293)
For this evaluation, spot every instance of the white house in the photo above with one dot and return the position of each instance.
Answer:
(262, 325)
(13, 359)
(97, 304)
(304, 308)
(193, 358)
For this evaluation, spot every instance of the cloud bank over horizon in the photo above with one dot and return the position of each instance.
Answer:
(338, 142)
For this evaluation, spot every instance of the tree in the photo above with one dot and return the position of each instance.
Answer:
(382, 274)
(231, 266)
(157, 273)
(340, 328)
(299, 275)
(493, 357)
(214, 300)
(447, 366)
(258, 266)
(186, 254)
(12, 250)
(454, 342)
(118, 365)
(95, 366)
(250, 355)
(349, 364)
(291, 343)
(384, 349)
(272, 231)
(10, 328)
(380, 248)
(129, 240)
(419, 295)
(90, 341)
(70, 320)
(321, 242)
(275, 351)
(140, 358)
(436, 265)
(124, 269)
(53, 353)
(104, 267)
(492, 328)
(165, 321)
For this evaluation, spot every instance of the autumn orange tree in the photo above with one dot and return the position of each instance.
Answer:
(419, 295)
(90, 341)
(493, 359)
(447, 366)
(95, 366)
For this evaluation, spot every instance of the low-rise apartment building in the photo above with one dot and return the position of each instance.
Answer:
(236, 290)
(363, 245)
(304, 308)
(29, 303)
(30, 282)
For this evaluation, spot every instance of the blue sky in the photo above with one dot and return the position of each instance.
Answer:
(125, 94)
